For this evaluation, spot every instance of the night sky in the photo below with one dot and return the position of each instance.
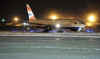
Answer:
(10, 8)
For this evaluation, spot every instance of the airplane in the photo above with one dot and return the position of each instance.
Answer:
(49, 24)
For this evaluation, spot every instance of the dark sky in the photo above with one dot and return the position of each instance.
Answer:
(17, 7)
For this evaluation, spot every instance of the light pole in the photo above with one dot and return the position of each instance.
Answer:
(53, 17)
(92, 18)
(15, 20)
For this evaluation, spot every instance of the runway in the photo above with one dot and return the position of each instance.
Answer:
(49, 48)
(59, 35)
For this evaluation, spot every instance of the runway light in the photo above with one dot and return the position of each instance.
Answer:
(89, 30)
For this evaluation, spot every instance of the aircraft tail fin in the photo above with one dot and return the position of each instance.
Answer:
(30, 14)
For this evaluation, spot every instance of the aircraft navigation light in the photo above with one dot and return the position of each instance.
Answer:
(58, 25)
